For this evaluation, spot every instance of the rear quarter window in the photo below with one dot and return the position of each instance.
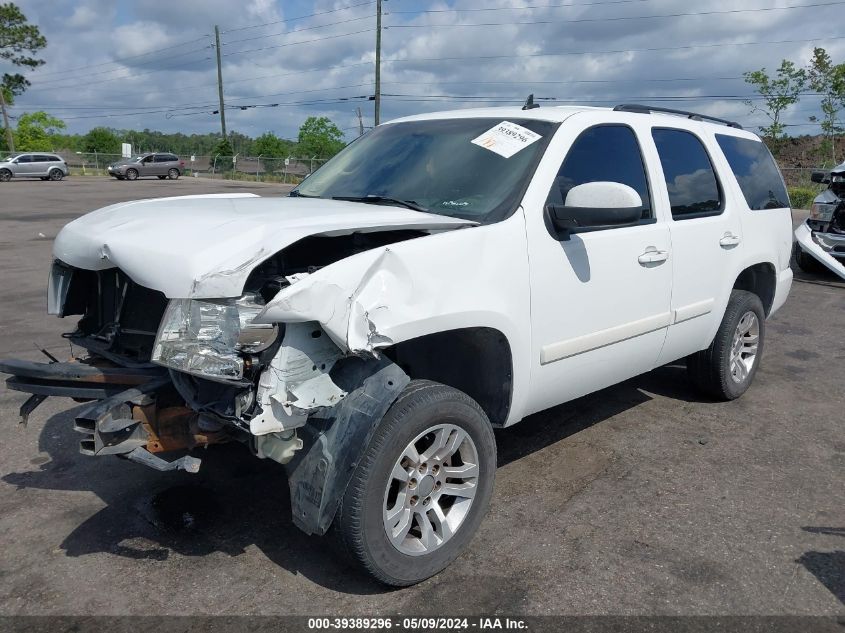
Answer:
(755, 171)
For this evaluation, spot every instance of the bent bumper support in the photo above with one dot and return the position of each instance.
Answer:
(123, 419)
(71, 380)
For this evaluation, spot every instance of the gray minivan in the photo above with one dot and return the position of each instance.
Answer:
(35, 165)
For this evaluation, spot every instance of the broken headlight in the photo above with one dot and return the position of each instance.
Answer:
(207, 337)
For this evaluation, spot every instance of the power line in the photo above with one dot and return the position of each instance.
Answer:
(316, 39)
(119, 60)
(625, 50)
(284, 94)
(301, 17)
(530, 7)
(102, 81)
(520, 99)
(113, 70)
(567, 81)
(299, 72)
(308, 28)
(615, 18)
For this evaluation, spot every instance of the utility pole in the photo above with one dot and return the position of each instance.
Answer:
(378, 63)
(10, 140)
(360, 121)
(220, 81)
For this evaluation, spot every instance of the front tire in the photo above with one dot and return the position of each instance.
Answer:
(726, 369)
(422, 488)
(131, 174)
(5, 175)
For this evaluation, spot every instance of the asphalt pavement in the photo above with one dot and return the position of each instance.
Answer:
(643, 498)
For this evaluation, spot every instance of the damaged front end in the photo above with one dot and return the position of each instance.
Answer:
(161, 376)
(822, 236)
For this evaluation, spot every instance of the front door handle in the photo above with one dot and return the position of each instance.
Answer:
(729, 240)
(653, 256)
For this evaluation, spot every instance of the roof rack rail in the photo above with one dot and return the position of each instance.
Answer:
(644, 109)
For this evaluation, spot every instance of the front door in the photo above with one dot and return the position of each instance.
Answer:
(600, 299)
(25, 166)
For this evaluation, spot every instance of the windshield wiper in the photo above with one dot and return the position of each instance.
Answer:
(372, 199)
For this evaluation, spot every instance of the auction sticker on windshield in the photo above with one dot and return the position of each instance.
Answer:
(506, 138)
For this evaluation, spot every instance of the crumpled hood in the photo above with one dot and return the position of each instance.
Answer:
(206, 246)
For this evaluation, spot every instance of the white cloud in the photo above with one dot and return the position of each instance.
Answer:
(502, 62)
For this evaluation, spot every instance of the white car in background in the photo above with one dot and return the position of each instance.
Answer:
(443, 275)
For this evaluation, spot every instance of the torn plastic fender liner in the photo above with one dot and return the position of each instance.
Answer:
(336, 438)
(804, 237)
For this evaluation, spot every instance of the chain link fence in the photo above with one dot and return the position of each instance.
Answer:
(289, 170)
(292, 170)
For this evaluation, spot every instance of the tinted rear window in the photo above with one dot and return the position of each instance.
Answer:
(693, 188)
(755, 171)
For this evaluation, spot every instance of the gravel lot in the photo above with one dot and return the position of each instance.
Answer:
(639, 499)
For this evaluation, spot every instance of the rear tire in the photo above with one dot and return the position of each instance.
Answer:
(56, 175)
(726, 369)
(422, 487)
(131, 174)
(806, 262)
(173, 174)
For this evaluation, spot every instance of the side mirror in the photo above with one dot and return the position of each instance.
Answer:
(596, 205)
(819, 176)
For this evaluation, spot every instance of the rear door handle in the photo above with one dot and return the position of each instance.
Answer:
(653, 256)
(729, 240)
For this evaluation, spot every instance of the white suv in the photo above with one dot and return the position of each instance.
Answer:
(443, 275)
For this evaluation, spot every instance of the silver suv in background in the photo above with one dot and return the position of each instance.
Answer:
(35, 165)
(163, 165)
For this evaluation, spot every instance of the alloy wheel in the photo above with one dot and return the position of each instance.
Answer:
(430, 489)
(744, 347)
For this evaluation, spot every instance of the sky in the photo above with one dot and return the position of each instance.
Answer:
(151, 63)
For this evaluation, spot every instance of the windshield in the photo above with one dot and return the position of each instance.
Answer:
(437, 166)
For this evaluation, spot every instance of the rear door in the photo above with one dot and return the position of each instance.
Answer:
(706, 232)
(162, 164)
(42, 164)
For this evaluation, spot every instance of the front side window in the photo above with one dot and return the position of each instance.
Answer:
(693, 188)
(605, 153)
(755, 171)
(436, 166)
(26, 158)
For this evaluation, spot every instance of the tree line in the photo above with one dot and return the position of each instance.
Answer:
(784, 88)
(38, 131)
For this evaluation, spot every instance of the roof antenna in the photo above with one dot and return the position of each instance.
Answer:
(529, 103)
